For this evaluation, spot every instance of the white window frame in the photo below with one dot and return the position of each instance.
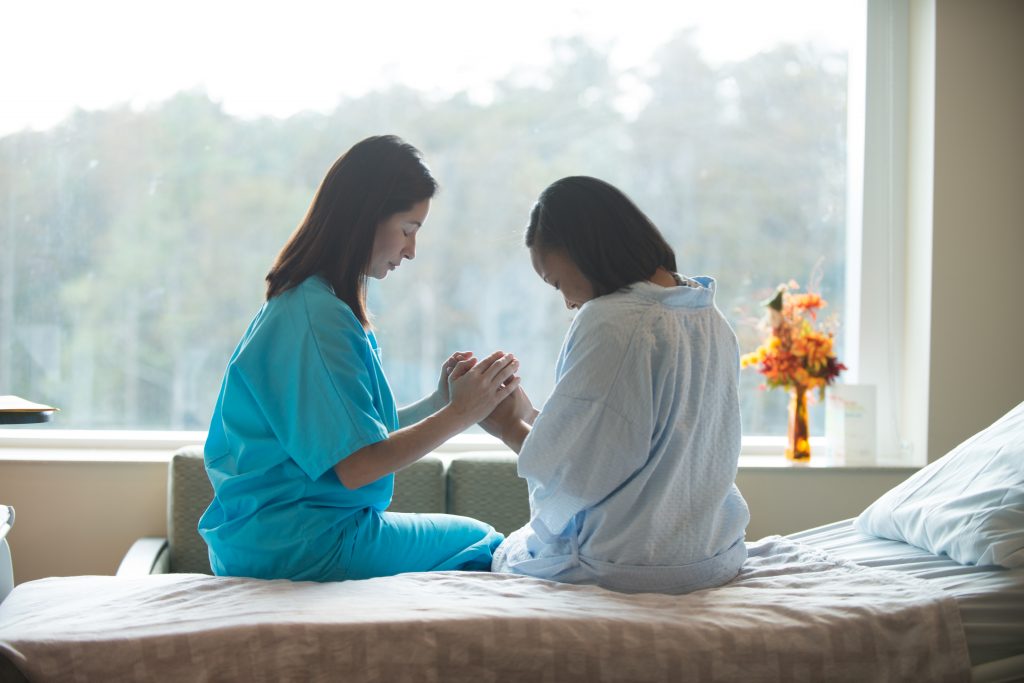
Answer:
(873, 336)
(877, 191)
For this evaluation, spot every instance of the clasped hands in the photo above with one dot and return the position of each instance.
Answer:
(513, 405)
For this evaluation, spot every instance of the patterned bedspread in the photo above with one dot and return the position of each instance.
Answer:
(793, 614)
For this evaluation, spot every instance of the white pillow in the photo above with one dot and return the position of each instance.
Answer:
(969, 504)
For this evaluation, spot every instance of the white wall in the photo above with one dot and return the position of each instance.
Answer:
(80, 517)
(783, 499)
(977, 298)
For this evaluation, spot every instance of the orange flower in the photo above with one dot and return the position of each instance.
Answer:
(795, 352)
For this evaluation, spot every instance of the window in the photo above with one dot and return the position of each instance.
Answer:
(152, 167)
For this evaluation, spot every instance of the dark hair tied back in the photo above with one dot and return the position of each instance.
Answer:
(611, 241)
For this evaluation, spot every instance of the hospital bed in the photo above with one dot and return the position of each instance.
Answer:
(831, 603)
(990, 599)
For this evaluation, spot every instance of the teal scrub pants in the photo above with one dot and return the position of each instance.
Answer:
(388, 543)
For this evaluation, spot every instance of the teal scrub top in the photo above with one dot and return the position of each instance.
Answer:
(303, 390)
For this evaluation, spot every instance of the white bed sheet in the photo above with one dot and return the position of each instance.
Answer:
(990, 598)
(794, 614)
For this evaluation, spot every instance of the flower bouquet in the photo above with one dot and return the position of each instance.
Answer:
(796, 355)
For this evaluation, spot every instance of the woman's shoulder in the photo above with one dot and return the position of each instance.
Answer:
(615, 308)
(312, 305)
(608, 323)
(647, 312)
(315, 294)
(314, 287)
(619, 312)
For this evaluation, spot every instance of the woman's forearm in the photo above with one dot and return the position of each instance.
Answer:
(402, 447)
(515, 432)
(413, 413)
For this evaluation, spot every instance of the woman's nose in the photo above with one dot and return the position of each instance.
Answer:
(410, 248)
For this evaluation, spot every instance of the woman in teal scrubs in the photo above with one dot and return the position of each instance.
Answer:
(305, 436)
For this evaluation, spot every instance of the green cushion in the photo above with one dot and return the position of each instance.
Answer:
(486, 486)
(420, 487)
(188, 495)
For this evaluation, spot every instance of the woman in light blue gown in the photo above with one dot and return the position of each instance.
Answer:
(305, 436)
(631, 463)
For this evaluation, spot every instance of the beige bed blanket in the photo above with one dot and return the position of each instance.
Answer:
(793, 614)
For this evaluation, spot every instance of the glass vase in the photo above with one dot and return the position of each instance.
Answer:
(798, 446)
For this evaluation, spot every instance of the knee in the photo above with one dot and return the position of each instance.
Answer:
(485, 533)
(483, 536)
(493, 539)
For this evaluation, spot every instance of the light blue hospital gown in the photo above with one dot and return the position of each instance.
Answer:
(632, 461)
(304, 389)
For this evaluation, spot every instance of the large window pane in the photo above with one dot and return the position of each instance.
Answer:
(140, 206)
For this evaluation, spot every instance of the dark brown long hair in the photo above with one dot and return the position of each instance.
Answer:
(377, 178)
(606, 235)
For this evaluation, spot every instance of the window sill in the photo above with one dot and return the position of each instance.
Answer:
(758, 452)
(819, 463)
(98, 439)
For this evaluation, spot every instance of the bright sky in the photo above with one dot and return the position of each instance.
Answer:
(261, 58)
